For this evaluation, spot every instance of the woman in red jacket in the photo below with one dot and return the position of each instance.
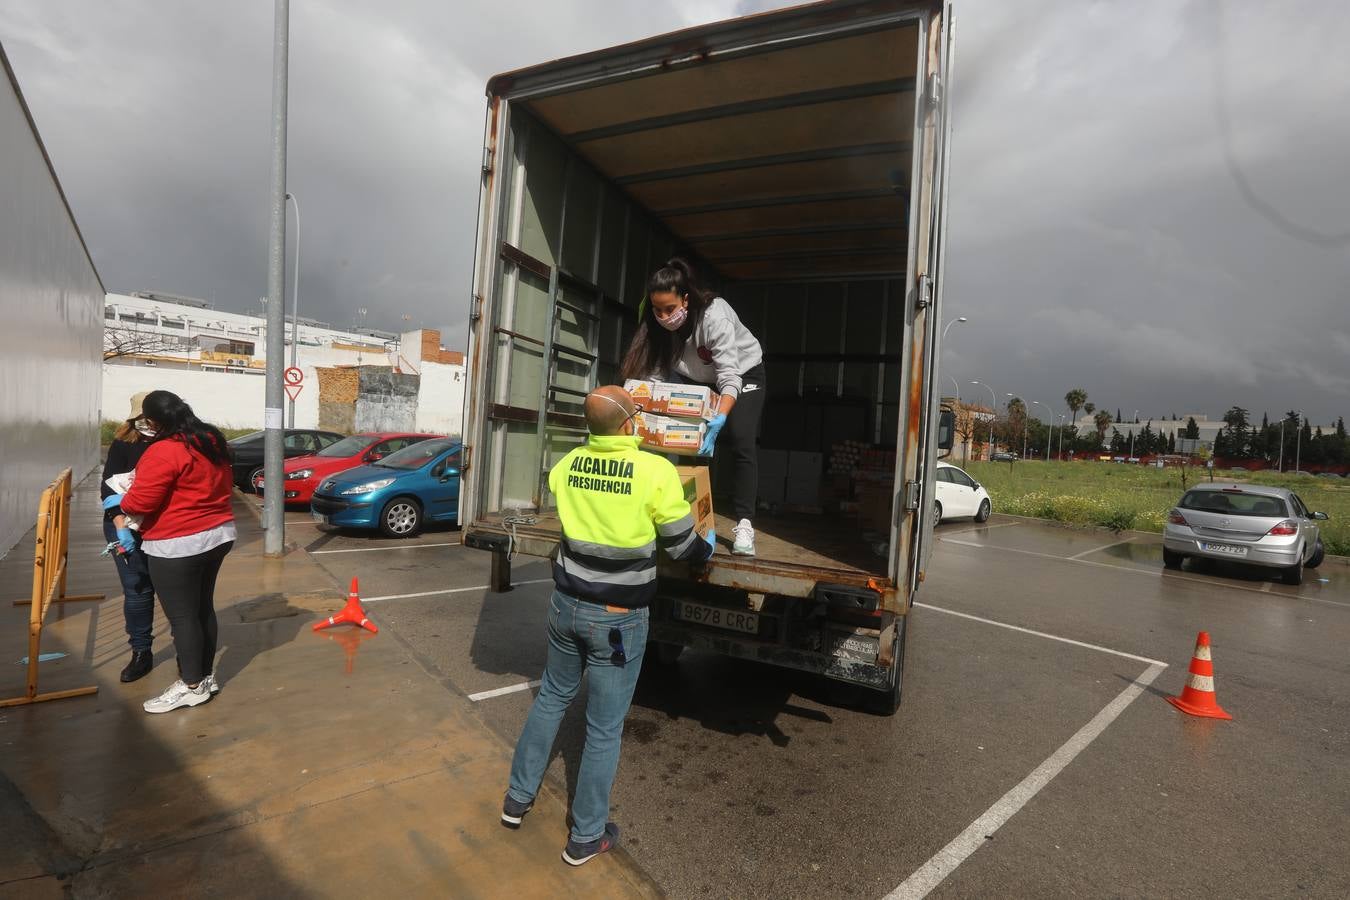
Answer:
(182, 494)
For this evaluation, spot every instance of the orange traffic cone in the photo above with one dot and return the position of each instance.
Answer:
(1197, 697)
(351, 613)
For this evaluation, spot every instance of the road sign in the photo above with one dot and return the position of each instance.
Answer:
(293, 390)
(293, 375)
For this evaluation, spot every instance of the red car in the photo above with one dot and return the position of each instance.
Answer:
(304, 473)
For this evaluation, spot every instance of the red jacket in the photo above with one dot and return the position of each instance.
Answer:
(178, 492)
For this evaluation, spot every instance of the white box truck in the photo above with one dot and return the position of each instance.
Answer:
(799, 159)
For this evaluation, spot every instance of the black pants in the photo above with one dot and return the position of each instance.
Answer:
(187, 591)
(741, 433)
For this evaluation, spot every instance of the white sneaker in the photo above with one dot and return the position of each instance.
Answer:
(179, 694)
(745, 538)
(212, 684)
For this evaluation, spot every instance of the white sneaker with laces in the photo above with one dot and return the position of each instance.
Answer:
(179, 694)
(212, 684)
(744, 544)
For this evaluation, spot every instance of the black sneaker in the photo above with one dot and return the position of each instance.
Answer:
(513, 811)
(142, 661)
(576, 853)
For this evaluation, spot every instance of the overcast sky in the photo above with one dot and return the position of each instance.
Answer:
(1150, 200)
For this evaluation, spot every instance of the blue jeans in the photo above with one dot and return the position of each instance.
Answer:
(581, 636)
(138, 594)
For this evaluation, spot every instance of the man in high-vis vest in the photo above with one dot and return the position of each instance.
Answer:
(617, 504)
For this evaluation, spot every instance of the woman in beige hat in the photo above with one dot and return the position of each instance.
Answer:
(138, 594)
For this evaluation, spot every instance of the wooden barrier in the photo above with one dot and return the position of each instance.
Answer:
(50, 556)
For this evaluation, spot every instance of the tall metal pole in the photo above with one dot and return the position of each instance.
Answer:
(1298, 442)
(295, 306)
(1047, 433)
(993, 408)
(274, 509)
(1281, 464)
(1060, 451)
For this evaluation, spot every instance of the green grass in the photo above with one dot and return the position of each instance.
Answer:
(1138, 498)
(108, 429)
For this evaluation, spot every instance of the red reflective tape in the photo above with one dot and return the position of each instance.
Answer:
(1202, 667)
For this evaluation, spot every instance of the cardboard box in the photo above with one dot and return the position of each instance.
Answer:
(698, 491)
(686, 401)
(669, 435)
(773, 468)
(875, 493)
(803, 478)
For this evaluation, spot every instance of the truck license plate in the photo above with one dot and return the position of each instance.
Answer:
(732, 620)
(1229, 549)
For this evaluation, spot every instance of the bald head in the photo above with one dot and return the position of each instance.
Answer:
(607, 409)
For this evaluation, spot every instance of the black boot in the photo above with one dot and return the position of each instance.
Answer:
(142, 661)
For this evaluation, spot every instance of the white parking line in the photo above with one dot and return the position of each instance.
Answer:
(1100, 549)
(1152, 573)
(502, 691)
(1052, 637)
(384, 547)
(462, 590)
(978, 833)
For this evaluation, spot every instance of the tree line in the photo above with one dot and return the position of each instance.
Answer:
(1098, 431)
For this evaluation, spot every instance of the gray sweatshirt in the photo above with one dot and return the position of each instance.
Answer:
(720, 350)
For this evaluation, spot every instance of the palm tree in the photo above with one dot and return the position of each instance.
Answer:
(1103, 421)
(1075, 399)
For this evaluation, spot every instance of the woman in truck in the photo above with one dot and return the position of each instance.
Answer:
(691, 335)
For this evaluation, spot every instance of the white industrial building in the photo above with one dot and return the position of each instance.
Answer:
(217, 361)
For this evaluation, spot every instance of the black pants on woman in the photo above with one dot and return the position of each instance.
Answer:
(187, 592)
(741, 432)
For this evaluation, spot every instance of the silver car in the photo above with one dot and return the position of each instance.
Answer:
(1251, 523)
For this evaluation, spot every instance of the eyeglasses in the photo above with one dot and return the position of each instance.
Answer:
(616, 656)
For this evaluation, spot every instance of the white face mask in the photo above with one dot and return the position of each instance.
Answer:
(673, 321)
(146, 430)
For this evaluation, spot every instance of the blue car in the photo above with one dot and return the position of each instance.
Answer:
(398, 495)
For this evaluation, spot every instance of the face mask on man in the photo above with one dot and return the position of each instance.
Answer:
(673, 321)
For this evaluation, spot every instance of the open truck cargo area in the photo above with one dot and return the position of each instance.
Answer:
(797, 158)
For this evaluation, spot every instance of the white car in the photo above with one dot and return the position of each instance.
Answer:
(959, 495)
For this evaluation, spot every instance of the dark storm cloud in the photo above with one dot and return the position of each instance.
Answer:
(1149, 200)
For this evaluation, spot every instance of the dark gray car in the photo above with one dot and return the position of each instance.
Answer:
(1250, 523)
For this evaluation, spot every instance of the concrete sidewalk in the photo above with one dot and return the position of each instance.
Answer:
(329, 765)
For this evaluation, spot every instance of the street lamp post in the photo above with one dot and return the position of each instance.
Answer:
(295, 303)
(1047, 435)
(274, 511)
(1298, 442)
(949, 325)
(1136, 421)
(1060, 450)
(993, 417)
(957, 385)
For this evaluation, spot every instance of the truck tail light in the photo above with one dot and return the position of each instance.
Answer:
(1176, 518)
(1288, 526)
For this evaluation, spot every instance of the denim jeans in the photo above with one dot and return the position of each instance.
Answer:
(138, 594)
(579, 639)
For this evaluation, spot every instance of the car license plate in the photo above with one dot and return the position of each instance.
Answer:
(1229, 549)
(731, 620)
(320, 518)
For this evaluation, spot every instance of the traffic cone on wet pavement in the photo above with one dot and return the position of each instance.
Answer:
(1198, 697)
(351, 613)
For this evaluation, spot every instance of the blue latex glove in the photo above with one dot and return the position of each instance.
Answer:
(126, 540)
(112, 500)
(710, 434)
(711, 538)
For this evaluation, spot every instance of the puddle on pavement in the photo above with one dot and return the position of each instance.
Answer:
(350, 639)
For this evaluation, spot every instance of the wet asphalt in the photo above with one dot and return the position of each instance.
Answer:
(739, 780)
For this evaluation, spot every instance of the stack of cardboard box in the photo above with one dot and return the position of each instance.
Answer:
(673, 417)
